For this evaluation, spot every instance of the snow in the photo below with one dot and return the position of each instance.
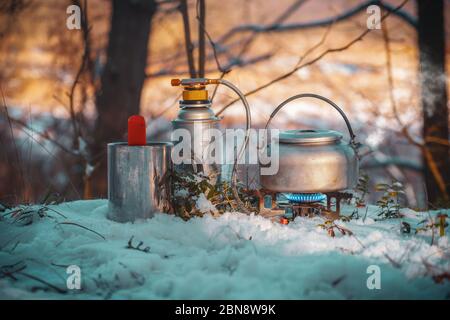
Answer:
(204, 205)
(233, 256)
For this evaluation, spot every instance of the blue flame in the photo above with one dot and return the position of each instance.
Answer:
(305, 197)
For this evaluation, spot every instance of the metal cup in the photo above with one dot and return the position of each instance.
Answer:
(138, 180)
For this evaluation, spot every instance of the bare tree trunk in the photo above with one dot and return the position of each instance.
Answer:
(184, 10)
(122, 78)
(201, 37)
(431, 37)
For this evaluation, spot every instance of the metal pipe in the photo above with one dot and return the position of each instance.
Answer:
(244, 145)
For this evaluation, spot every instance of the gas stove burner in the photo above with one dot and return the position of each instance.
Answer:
(305, 197)
(272, 203)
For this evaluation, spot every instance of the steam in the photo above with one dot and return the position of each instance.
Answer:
(433, 83)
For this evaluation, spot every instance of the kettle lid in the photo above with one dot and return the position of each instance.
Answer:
(310, 136)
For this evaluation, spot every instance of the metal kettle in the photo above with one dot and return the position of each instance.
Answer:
(313, 161)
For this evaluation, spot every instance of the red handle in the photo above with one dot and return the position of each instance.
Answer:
(136, 131)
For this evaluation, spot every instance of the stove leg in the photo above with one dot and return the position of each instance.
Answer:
(260, 196)
(274, 200)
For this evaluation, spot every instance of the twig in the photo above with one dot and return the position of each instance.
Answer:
(16, 150)
(187, 36)
(296, 68)
(220, 48)
(138, 246)
(6, 271)
(394, 263)
(247, 43)
(426, 153)
(232, 62)
(169, 107)
(201, 17)
(201, 25)
(55, 211)
(44, 135)
(30, 276)
(83, 227)
(276, 27)
(312, 61)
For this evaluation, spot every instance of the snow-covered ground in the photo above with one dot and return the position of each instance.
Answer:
(233, 256)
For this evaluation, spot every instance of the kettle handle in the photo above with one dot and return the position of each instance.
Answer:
(317, 96)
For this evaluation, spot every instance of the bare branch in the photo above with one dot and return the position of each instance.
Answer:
(187, 36)
(83, 227)
(13, 138)
(277, 27)
(247, 43)
(203, 32)
(169, 107)
(48, 284)
(84, 61)
(297, 67)
(219, 48)
(284, 15)
(405, 16)
(231, 63)
(310, 62)
(201, 17)
(289, 11)
(45, 135)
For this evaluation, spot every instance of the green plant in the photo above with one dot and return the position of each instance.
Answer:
(363, 189)
(389, 203)
(188, 187)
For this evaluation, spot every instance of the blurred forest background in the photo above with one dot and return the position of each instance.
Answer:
(66, 93)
